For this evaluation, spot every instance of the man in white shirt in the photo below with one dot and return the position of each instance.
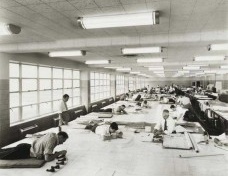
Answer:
(106, 132)
(64, 115)
(165, 125)
(41, 148)
(177, 113)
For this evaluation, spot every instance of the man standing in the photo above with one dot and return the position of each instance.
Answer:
(64, 115)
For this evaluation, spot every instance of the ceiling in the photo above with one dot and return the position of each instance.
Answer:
(186, 28)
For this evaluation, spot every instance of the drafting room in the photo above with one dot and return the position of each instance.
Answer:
(114, 87)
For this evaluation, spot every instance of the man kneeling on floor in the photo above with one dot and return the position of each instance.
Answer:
(41, 148)
(106, 132)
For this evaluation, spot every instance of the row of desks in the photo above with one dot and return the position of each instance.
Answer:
(134, 155)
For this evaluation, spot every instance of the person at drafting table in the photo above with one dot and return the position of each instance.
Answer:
(64, 115)
(165, 125)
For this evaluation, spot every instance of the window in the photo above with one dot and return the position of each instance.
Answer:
(99, 86)
(138, 86)
(119, 84)
(38, 90)
(131, 83)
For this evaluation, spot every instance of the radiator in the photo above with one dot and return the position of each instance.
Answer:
(28, 130)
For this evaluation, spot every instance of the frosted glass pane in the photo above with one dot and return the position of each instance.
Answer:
(101, 82)
(76, 101)
(101, 76)
(105, 76)
(45, 108)
(68, 91)
(29, 112)
(14, 99)
(96, 96)
(29, 71)
(14, 85)
(57, 84)
(29, 98)
(67, 83)
(96, 82)
(14, 70)
(45, 96)
(56, 105)
(45, 84)
(97, 89)
(44, 72)
(91, 82)
(57, 94)
(69, 103)
(76, 92)
(92, 97)
(14, 115)
(29, 84)
(68, 74)
(97, 75)
(76, 74)
(108, 76)
(91, 75)
(57, 73)
(92, 90)
(76, 83)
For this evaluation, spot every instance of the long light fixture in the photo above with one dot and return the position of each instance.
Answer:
(141, 50)
(123, 69)
(97, 62)
(159, 72)
(135, 72)
(209, 58)
(8, 29)
(191, 68)
(183, 71)
(198, 65)
(218, 47)
(156, 69)
(150, 60)
(121, 20)
(112, 67)
(224, 67)
(210, 71)
(67, 53)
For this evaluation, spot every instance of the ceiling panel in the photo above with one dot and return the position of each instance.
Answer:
(186, 28)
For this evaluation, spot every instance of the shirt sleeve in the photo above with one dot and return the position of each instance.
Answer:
(158, 125)
(49, 147)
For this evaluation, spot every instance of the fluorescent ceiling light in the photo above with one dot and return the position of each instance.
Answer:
(224, 66)
(123, 69)
(184, 71)
(141, 50)
(191, 68)
(142, 74)
(134, 72)
(121, 20)
(155, 69)
(112, 67)
(97, 62)
(209, 58)
(158, 72)
(66, 53)
(198, 65)
(151, 60)
(200, 73)
(8, 29)
(217, 47)
(210, 71)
